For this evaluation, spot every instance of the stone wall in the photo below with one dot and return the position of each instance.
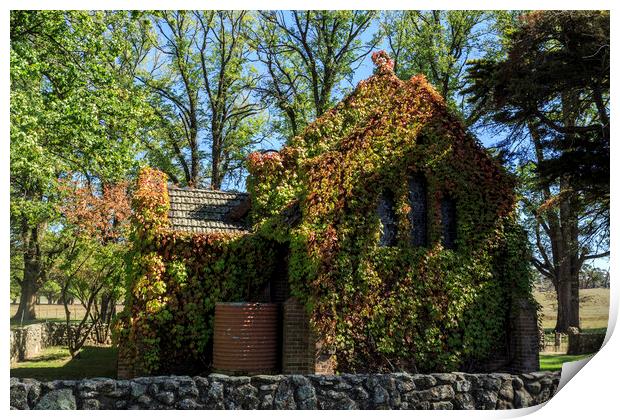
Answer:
(584, 343)
(379, 391)
(28, 341)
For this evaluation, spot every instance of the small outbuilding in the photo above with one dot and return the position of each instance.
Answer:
(385, 231)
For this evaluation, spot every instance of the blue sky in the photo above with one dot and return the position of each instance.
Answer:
(488, 138)
(366, 67)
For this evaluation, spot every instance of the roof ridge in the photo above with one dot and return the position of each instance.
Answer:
(188, 189)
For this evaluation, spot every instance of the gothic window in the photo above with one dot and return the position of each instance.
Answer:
(419, 210)
(448, 222)
(387, 216)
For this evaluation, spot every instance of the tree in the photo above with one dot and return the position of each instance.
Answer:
(224, 53)
(593, 277)
(307, 54)
(438, 44)
(92, 273)
(552, 90)
(201, 83)
(51, 290)
(73, 108)
(556, 77)
(174, 79)
(566, 232)
(91, 266)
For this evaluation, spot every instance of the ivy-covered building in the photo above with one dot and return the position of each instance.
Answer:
(385, 230)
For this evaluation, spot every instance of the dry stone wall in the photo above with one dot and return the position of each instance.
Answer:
(374, 391)
(584, 343)
(28, 341)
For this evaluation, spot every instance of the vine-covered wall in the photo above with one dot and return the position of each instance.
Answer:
(418, 302)
(175, 278)
(403, 306)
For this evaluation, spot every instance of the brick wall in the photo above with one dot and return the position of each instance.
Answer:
(124, 366)
(301, 351)
(279, 288)
(524, 338)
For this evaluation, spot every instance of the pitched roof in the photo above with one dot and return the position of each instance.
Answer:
(206, 211)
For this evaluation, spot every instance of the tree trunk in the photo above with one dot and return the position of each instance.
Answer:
(569, 214)
(32, 274)
(195, 160)
(216, 152)
(564, 306)
(574, 308)
(27, 301)
(106, 313)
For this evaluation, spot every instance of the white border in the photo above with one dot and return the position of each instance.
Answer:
(593, 394)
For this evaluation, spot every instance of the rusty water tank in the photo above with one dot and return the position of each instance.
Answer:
(245, 338)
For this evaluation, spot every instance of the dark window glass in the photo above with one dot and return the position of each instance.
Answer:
(419, 210)
(448, 222)
(387, 215)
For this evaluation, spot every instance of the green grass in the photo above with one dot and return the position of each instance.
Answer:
(555, 361)
(55, 363)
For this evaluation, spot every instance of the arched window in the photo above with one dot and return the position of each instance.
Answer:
(448, 221)
(419, 210)
(387, 216)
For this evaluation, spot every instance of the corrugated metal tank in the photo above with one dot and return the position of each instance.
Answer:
(245, 338)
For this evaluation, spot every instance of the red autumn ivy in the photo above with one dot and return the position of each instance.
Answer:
(401, 307)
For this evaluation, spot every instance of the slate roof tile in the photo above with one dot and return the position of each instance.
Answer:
(204, 211)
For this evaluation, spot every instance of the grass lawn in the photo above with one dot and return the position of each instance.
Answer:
(554, 361)
(55, 363)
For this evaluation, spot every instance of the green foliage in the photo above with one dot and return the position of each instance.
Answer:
(75, 113)
(176, 278)
(307, 56)
(438, 44)
(197, 71)
(554, 79)
(403, 306)
(51, 290)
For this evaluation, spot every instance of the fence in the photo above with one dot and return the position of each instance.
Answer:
(57, 312)
(555, 343)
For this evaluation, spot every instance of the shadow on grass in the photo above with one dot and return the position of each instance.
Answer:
(56, 363)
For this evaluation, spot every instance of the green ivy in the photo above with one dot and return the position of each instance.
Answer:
(400, 307)
(176, 278)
